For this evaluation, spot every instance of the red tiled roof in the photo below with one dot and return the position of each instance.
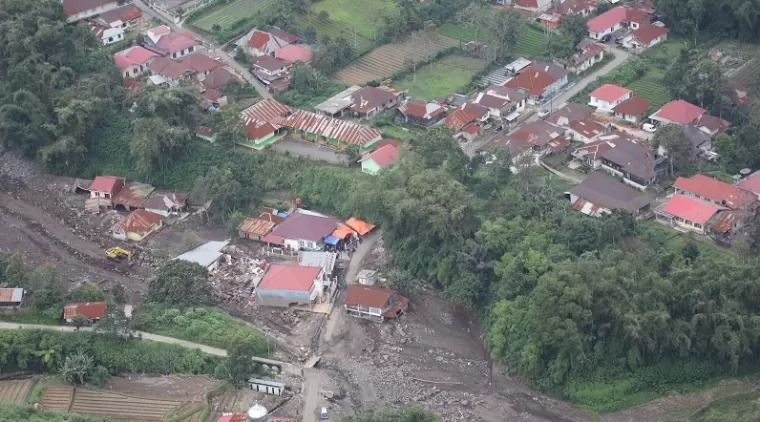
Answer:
(383, 157)
(331, 128)
(368, 98)
(201, 63)
(72, 7)
(294, 53)
(169, 68)
(679, 111)
(535, 81)
(368, 296)
(258, 129)
(751, 183)
(587, 128)
(126, 13)
(648, 32)
(712, 123)
(289, 277)
(258, 39)
(471, 129)
(421, 109)
(726, 194)
(691, 209)
(616, 15)
(457, 119)
(175, 42)
(105, 184)
(610, 92)
(528, 4)
(138, 221)
(91, 310)
(139, 55)
(383, 142)
(634, 106)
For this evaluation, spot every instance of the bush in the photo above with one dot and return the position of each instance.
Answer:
(45, 351)
(208, 326)
(27, 413)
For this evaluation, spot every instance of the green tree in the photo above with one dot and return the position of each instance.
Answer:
(239, 366)
(181, 283)
(574, 27)
(77, 367)
(679, 150)
(15, 271)
(560, 46)
(221, 188)
(119, 294)
(79, 321)
(86, 292)
(114, 323)
(155, 142)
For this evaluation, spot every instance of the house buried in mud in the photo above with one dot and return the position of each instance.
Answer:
(374, 303)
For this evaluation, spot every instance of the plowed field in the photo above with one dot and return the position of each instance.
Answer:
(121, 407)
(15, 391)
(57, 397)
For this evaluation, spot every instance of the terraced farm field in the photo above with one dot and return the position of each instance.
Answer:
(383, 61)
(227, 15)
(15, 391)
(57, 397)
(651, 88)
(354, 19)
(117, 406)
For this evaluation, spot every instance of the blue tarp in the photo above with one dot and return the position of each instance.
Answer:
(332, 240)
(282, 214)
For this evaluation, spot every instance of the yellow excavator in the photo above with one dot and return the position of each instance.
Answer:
(117, 253)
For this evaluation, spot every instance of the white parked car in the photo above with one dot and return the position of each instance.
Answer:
(543, 113)
(648, 127)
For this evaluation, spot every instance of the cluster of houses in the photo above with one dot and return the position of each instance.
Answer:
(15, 298)
(146, 206)
(108, 19)
(167, 59)
(273, 53)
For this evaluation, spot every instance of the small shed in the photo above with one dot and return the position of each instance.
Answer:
(367, 277)
(206, 255)
(266, 386)
(11, 297)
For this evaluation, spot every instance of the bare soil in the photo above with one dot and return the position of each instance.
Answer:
(185, 388)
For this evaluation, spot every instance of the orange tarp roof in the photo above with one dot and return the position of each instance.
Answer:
(342, 231)
(361, 226)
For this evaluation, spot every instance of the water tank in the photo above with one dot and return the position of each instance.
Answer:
(257, 413)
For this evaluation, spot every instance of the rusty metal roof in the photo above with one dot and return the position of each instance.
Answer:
(91, 310)
(328, 127)
(138, 221)
(267, 110)
(725, 221)
(8, 295)
(256, 226)
(133, 194)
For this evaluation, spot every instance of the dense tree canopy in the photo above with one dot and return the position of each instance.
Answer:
(182, 283)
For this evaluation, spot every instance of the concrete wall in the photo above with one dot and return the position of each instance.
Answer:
(282, 298)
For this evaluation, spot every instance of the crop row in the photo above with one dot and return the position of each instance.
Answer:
(14, 391)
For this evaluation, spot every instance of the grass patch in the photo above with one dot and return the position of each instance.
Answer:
(652, 89)
(531, 45)
(353, 14)
(656, 233)
(441, 78)
(402, 133)
(742, 407)
(209, 326)
(225, 15)
(29, 316)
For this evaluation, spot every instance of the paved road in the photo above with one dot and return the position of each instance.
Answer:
(237, 67)
(620, 56)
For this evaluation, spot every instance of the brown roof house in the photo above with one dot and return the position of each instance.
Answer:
(632, 110)
(271, 72)
(420, 112)
(502, 102)
(255, 228)
(167, 72)
(165, 203)
(600, 194)
(374, 303)
(264, 43)
(137, 225)
(302, 230)
(370, 100)
(81, 9)
(587, 54)
(645, 36)
(126, 17)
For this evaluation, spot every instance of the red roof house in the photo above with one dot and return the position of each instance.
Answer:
(614, 19)
(421, 112)
(607, 96)
(262, 43)
(648, 35)
(294, 53)
(81, 9)
(709, 189)
(90, 310)
(678, 111)
(375, 303)
(137, 225)
(632, 109)
(134, 60)
(106, 186)
(379, 159)
(691, 210)
(751, 183)
(177, 44)
(286, 285)
(534, 81)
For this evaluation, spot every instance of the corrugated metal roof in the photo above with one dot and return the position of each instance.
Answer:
(256, 226)
(11, 295)
(267, 110)
(133, 194)
(328, 127)
(91, 310)
(373, 297)
(138, 221)
(206, 254)
(325, 260)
